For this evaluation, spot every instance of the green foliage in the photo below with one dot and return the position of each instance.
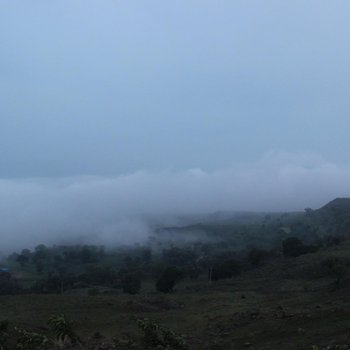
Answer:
(62, 329)
(228, 236)
(22, 260)
(28, 340)
(24, 339)
(156, 336)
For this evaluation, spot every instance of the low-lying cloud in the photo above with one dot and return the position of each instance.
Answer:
(112, 210)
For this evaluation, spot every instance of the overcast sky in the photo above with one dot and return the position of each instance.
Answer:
(111, 109)
(113, 87)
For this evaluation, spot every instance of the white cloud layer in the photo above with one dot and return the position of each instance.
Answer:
(109, 210)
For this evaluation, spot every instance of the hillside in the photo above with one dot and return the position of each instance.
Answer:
(337, 205)
(273, 281)
(282, 305)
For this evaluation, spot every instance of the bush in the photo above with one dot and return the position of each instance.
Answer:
(28, 340)
(54, 284)
(158, 337)
(154, 337)
(256, 256)
(336, 268)
(8, 285)
(225, 269)
(168, 279)
(63, 330)
(293, 247)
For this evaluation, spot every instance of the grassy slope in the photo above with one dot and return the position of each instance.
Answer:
(273, 307)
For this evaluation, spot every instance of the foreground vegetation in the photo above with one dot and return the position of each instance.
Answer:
(290, 291)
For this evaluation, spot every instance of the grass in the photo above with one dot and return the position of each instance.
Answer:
(273, 307)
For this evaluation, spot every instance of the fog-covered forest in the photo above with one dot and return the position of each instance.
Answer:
(246, 255)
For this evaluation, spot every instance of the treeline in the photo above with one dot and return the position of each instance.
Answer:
(57, 269)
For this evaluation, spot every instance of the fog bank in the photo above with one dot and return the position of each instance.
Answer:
(112, 210)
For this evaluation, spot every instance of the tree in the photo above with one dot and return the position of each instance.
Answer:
(22, 260)
(98, 275)
(294, 247)
(170, 276)
(256, 256)
(39, 265)
(89, 254)
(336, 268)
(183, 257)
(8, 285)
(40, 257)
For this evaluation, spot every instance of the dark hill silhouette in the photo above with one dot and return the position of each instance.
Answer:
(335, 216)
(338, 204)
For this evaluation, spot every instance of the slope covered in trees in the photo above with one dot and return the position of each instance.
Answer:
(237, 281)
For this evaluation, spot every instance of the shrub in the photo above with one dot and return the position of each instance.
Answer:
(225, 269)
(256, 256)
(28, 340)
(293, 247)
(336, 268)
(62, 329)
(54, 283)
(8, 285)
(168, 279)
(156, 336)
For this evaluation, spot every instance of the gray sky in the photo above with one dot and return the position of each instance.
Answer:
(113, 87)
(111, 109)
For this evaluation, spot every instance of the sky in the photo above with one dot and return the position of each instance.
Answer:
(112, 87)
(216, 101)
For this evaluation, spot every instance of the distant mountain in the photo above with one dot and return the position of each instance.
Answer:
(243, 227)
(334, 216)
(337, 205)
